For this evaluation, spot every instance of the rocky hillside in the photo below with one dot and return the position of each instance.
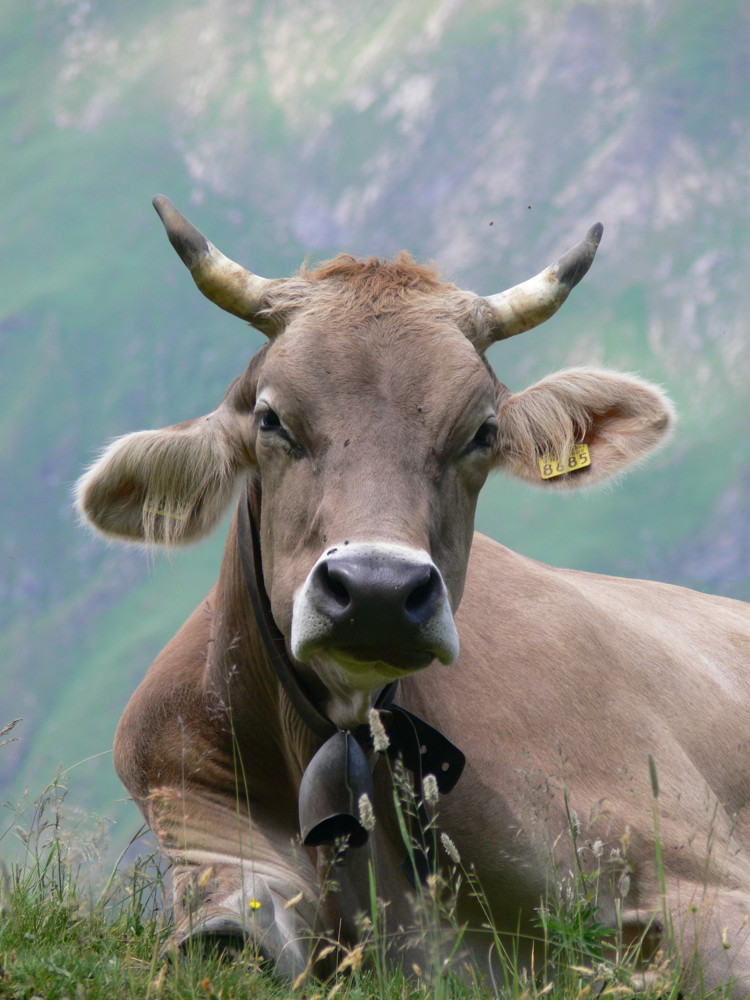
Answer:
(484, 134)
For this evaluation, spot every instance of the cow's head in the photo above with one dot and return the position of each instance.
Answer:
(371, 421)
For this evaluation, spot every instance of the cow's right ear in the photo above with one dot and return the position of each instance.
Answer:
(166, 487)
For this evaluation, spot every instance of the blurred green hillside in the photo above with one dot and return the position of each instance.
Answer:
(486, 135)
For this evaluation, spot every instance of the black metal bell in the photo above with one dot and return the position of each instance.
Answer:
(333, 782)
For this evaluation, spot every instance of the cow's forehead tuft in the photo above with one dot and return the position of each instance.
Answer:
(352, 290)
(376, 275)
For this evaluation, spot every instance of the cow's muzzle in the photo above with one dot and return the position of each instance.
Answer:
(374, 603)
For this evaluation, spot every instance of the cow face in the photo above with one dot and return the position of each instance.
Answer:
(370, 422)
(373, 438)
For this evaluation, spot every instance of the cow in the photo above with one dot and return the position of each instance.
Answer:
(360, 633)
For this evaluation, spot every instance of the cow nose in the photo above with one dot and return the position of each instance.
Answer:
(372, 593)
(374, 602)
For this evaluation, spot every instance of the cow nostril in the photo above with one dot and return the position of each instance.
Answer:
(332, 588)
(420, 604)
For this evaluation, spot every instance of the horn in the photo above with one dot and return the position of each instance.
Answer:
(532, 302)
(231, 286)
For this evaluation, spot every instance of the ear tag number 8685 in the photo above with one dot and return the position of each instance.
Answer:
(550, 466)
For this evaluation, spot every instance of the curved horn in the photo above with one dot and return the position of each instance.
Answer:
(532, 302)
(229, 285)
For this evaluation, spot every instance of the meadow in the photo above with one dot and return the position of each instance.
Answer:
(70, 930)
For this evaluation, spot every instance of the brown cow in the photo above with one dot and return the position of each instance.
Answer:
(358, 440)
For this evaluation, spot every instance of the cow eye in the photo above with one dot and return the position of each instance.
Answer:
(271, 425)
(269, 421)
(485, 437)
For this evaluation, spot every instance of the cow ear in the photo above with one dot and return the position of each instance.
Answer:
(620, 418)
(165, 487)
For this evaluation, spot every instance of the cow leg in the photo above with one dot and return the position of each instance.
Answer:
(712, 936)
(237, 880)
(231, 907)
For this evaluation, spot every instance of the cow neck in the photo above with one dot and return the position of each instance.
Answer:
(339, 774)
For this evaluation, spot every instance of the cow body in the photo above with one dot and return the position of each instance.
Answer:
(361, 437)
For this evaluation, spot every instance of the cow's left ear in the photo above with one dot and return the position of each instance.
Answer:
(620, 418)
(169, 486)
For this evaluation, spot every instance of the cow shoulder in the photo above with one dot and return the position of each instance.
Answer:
(163, 724)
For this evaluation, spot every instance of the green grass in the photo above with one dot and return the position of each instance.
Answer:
(71, 931)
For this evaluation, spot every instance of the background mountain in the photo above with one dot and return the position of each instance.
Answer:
(484, 134)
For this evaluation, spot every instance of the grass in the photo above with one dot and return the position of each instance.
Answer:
(67, 933)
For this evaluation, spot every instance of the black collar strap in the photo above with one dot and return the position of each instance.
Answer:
(338, 775)
(273, 640)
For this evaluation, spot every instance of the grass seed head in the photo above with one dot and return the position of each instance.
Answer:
(380, 739)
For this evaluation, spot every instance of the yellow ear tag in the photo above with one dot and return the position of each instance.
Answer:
(550, 466)
(254, 904)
